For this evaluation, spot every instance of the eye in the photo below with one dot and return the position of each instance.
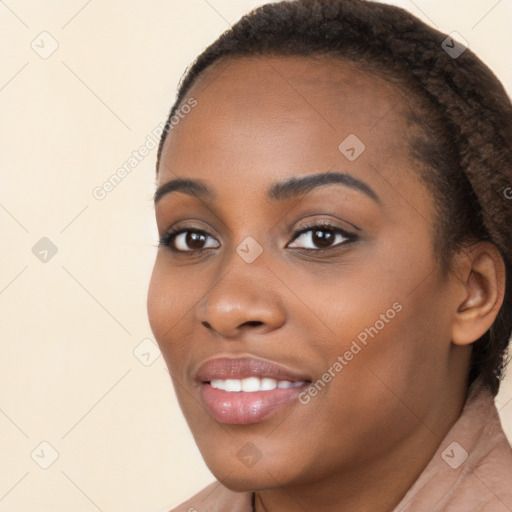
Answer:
(323, 235)
(317, 238)
(187, 240)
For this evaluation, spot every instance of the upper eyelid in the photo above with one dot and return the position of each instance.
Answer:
(322, 225)
(299, 229)
(322, 222)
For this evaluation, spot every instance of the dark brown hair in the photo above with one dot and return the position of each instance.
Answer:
(461, 110)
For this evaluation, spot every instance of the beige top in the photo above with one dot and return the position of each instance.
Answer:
(471, 470)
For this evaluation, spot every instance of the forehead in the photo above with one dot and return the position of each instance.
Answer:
(266, 117)
(286, 72)
(299, 85)
(318, 95)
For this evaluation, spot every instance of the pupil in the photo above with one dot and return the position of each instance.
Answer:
(193, 239)
(322, 238)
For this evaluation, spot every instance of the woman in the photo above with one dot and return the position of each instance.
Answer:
(331, 292)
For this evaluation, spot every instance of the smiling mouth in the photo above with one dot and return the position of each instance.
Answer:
(247, 390)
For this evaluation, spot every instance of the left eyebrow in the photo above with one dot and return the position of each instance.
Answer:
(297, 186)
(278, 191)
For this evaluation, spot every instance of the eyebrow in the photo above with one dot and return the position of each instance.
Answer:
(278, 191)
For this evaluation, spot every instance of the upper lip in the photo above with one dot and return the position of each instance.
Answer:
(243, 367)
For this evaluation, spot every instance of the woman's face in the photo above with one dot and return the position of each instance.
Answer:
(326, 288)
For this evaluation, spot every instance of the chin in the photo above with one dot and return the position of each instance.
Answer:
(262, 475)
(247, 482)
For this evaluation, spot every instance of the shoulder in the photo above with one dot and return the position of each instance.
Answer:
(216, 498)
(472, 468)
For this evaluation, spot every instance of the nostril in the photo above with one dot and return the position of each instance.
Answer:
(253, 322)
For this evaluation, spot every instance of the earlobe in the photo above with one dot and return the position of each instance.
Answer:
(481, 272)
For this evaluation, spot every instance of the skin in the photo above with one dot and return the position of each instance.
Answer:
(363, 440)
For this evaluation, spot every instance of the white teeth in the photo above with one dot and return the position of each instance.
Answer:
(233, 385)
(217, 383)
(251, 384)
(268, 384)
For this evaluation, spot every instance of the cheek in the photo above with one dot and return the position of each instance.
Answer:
(159, 303)
(174, 297)
(169, 303)
(153, 302)
(387, 319)
(399, 360)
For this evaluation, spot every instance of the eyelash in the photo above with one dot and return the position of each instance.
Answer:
(168, 238)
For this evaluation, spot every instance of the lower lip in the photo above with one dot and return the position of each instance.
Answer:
(242, 408)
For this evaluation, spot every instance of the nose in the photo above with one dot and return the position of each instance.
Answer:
(242, 301)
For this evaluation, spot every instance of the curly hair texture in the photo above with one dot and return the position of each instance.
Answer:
(461, 110)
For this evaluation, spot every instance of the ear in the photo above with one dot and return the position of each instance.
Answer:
(481, 280)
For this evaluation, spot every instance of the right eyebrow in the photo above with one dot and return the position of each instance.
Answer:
(192, 187)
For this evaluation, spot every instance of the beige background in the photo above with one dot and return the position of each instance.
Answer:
(70, 325)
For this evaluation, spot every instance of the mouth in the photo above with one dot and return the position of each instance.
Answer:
(247, 390)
